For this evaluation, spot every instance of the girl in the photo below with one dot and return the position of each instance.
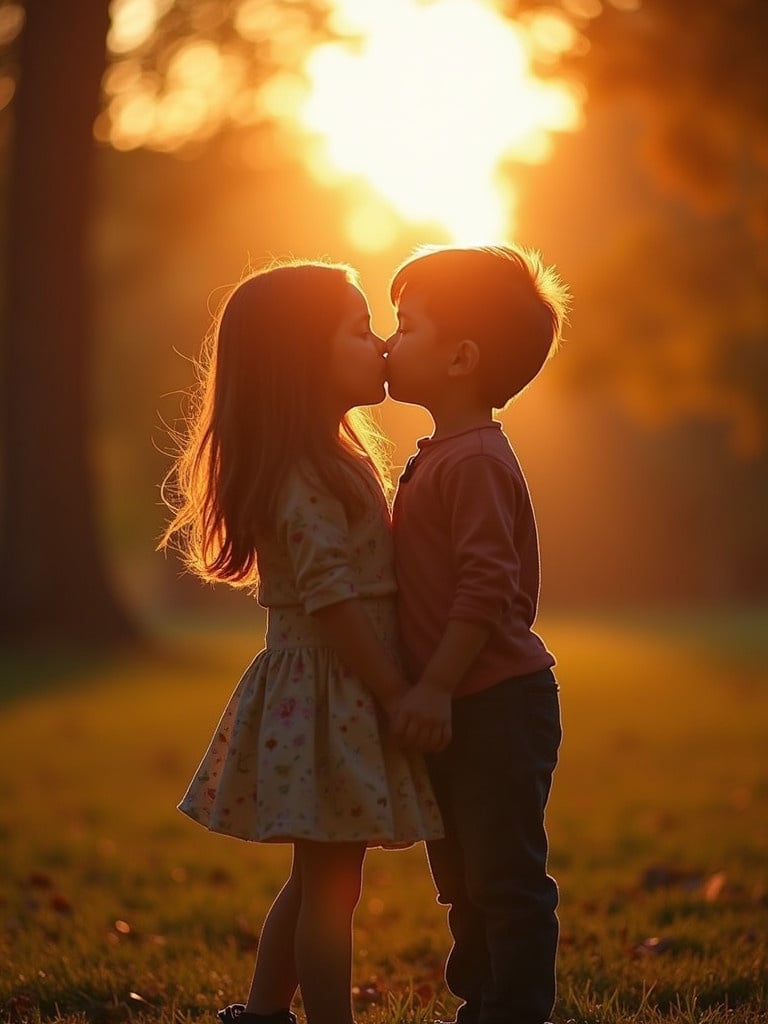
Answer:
(276, 486)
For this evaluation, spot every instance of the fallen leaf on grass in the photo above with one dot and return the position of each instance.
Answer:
(61, 904)
(714, 886)
(137, 998)
(368, 994)
(122, 930)
(653, 946)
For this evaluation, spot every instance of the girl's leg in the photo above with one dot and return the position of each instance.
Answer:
(274, 978)
(331, 877)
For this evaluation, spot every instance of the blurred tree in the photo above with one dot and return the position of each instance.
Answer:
(54, 580)
(699, 71)
(56, 583)
(690, 284)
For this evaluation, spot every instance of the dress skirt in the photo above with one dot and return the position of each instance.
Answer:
(303, 752)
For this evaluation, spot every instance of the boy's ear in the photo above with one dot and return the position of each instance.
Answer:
(466, 356)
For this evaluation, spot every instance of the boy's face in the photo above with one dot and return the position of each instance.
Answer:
(417, 362)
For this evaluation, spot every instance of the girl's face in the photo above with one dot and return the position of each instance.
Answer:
(357, 366)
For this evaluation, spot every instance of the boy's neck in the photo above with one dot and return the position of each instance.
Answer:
(449, 421)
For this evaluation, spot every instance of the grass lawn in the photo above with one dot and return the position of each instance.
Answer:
(116, 908)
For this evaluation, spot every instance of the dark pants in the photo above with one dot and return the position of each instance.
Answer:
(492, 784)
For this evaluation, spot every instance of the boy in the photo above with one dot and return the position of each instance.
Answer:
(475, 326)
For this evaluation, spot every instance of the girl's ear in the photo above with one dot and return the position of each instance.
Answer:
(466, 356)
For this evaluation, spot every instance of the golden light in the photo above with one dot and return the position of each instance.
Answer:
(11, 22)
(202, 85)
(420, 108)
(132, 22)
(426, 104)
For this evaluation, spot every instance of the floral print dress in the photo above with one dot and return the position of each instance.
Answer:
(302, 751)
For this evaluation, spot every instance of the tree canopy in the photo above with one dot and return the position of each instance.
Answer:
(688, 285)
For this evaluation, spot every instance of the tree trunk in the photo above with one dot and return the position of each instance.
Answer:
(54, 584)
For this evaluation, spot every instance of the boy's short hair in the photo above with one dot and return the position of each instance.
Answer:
(502, 297)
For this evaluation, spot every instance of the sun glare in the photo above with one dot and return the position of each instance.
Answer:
(420, 108)
(426, 104)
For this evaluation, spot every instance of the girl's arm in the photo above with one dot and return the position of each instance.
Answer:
(315, 531)
(350, 633)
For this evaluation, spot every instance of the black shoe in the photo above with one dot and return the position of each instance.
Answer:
(236, 1014)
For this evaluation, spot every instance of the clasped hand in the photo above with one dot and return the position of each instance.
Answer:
(421, 719)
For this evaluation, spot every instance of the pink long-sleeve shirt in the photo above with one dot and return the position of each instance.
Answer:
(466, 547)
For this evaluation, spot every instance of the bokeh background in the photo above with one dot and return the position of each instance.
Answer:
(625, 140)
(151, 151)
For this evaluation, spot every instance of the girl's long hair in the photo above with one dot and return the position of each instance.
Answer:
(257, 414)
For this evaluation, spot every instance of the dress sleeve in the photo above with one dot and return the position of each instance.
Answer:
(312, 525)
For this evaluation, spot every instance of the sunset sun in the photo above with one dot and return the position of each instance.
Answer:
(418, 109)
(425, 106)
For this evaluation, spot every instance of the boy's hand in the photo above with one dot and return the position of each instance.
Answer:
(422, 719)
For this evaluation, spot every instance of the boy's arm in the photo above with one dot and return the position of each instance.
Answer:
(482, 495)
(423, 717)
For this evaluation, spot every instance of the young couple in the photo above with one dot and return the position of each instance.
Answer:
(402, 694)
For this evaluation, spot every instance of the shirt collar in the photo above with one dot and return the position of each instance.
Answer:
(427, 442)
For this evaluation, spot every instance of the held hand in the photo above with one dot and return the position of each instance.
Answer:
(422, 719)
(391, 703)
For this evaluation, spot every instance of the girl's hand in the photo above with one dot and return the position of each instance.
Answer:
(422, 719)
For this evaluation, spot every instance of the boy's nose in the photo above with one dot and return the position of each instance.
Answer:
(389, 344)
